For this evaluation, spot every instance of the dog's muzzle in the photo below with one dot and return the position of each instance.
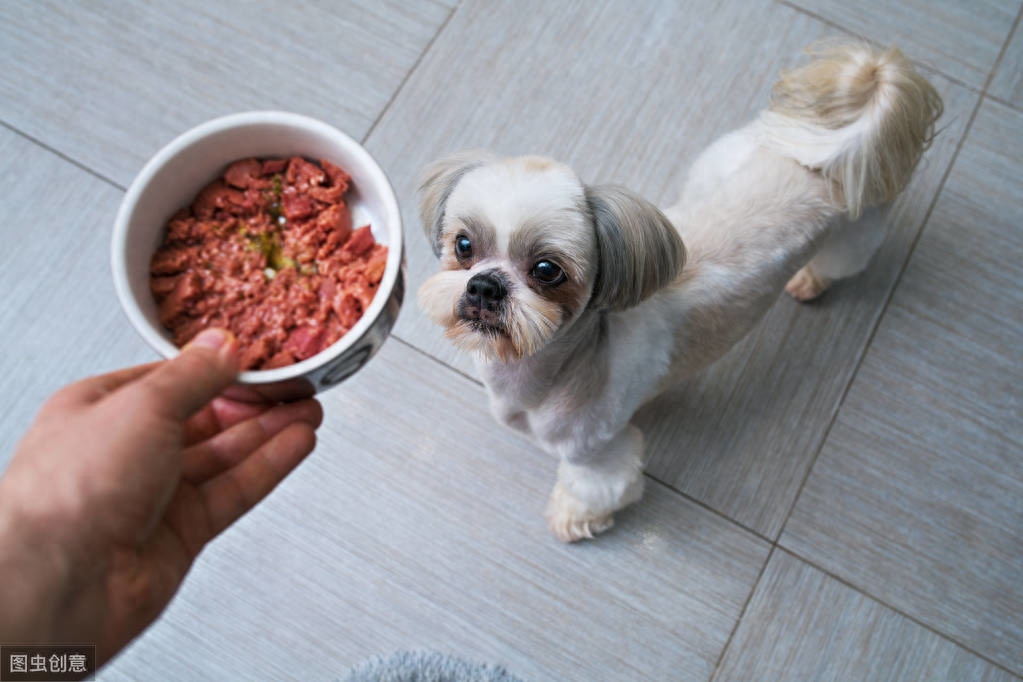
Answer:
(484, 298)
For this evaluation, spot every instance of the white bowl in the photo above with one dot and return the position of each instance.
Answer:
(171, 180)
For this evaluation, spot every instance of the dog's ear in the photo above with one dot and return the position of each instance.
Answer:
(640, 250)
(437, 181)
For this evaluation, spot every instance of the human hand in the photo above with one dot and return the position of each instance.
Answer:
(122, 480)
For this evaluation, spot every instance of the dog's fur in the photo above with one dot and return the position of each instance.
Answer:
(777, 201)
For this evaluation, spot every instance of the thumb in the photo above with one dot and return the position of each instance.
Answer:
(205, 367)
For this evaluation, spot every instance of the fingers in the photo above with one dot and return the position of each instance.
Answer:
(226, 449)
(219, 415)
(95, 388)
(230, 412)
(230, 495)
(180, 387)
(247, 394)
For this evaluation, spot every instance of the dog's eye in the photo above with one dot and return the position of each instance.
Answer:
(547, 272)
(463, 246)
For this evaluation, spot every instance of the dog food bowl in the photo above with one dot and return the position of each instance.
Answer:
(172, 179)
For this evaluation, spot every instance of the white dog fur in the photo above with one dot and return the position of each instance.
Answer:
(581, 303)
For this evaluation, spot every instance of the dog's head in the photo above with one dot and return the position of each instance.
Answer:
(525, 248)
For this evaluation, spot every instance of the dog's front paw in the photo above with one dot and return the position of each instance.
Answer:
(569, 520)
(805, 285)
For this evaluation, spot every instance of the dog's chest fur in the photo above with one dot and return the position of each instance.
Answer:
(582, 388)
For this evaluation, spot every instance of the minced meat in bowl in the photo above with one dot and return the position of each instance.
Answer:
(184, 174)
(268, 252)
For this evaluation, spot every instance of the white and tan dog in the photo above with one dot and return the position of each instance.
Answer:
(581, 302)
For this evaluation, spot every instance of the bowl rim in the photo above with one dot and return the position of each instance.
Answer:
(377, 177)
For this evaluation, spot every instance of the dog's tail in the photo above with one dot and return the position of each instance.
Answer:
(860, 116)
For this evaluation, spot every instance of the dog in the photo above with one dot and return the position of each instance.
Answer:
(582, 303)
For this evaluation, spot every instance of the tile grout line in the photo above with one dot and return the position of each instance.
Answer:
(900, 612)
(703, 505)
(828, 22)
(409, 73)
(772, 545)
(365, 137)
(1001, 53)
(998, 62)
(62, 155)
(902, 270)
(870, 339)
(680, 493)
(440, 362)
(742, 614)
(884, 307)
(1005, 103)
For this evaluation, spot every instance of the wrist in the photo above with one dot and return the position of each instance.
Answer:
(32, 576)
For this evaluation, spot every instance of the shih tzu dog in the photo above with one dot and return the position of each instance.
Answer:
(581, 303)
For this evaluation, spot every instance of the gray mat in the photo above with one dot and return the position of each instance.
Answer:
(426, 666)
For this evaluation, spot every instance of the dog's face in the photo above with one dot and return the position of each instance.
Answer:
(525, 248)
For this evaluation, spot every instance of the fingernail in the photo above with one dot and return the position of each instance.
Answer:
(209, 338)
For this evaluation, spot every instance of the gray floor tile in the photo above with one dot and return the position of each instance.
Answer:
(960, 39)
(1007, 84)
(417, 524)
(917, 497)
(804, 625)
(60, 317)
(108, 82)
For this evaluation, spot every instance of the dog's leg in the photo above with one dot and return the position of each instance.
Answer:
(588, 493)
(846, 252)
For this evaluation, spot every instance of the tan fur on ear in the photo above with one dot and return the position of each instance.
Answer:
(436, 183)
(640, 250)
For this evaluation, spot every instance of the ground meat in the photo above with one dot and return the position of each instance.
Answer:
(268, 251)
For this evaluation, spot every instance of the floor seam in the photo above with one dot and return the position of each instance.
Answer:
(835, 25)
(440, 362)
(881, 314)
(684, 495)
(1001, 53)
(904, 614)
(983, 94)
(56, 152)
(408, 74)
(742, 614)
(1005, 103)
(112, 183)
(703, 505)
(901, 273)
(998, 62)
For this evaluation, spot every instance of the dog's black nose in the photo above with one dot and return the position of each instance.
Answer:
(485, 290)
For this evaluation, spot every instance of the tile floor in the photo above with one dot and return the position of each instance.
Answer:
(840, 498)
